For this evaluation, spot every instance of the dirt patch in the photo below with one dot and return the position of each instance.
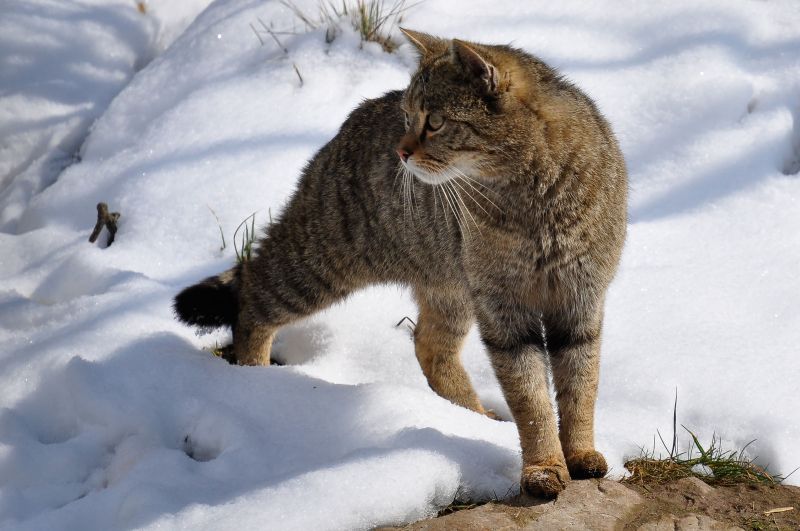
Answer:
(681, 505)
(737, 505)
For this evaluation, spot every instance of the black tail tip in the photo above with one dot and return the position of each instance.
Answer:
(211, 303)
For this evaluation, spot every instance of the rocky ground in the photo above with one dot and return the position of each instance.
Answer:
(683, 505)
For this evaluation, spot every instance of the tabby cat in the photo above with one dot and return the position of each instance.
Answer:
(496, 191)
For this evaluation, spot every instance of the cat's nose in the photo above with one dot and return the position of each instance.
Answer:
(403, 153)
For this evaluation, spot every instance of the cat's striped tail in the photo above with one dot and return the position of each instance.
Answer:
(213, 302)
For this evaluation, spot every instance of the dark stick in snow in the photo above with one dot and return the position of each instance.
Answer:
(107, 220)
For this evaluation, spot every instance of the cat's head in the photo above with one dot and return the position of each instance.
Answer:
(464, 111)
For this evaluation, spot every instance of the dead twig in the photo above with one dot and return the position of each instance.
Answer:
(274, 36)
(779, 510)
(296, 71)
(258, 35)
(105, 219)
(411, 327)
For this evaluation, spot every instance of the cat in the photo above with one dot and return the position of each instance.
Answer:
(497, 192)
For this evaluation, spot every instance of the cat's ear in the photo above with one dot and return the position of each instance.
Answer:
(482, 71)
(424, 43)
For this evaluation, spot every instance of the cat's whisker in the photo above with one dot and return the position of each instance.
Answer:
(402, 174)
(463, 208)
(454, 183)
(440, 168)
(445, 201)
(414, 204)
(456, 173)
(450, 204)
(457, 211)
(458, 181)
(471, 181)
(444, 204)
(454, 201)
(405, 194)
(438, 193)
(406, 205)
(410, 201)
(435, 200)
(397, 174)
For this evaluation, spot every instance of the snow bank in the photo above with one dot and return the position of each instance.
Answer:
(115, 417)
(62, 62)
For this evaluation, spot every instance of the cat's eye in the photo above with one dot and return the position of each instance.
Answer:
(435, 121)
(407, 121)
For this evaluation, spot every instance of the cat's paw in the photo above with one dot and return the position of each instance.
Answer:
(226, 353)
(491, 414)
(587, 464)
(544, 481)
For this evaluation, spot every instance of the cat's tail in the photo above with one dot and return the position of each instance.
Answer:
(213, 302)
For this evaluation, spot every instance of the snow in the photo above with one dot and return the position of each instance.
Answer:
(62, 62)
(116, 416)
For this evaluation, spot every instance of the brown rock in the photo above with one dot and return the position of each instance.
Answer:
(596, 505)
(485, 517)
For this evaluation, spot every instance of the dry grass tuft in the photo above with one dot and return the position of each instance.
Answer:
(711, 464)
(457, 506)
(372, 19)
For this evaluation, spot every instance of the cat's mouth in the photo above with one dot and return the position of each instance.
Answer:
(433, 176)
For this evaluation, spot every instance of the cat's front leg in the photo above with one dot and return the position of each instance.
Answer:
(514, 339)
(445, 317)
(574, 347)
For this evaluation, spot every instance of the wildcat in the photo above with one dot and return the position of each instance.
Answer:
(496, 191)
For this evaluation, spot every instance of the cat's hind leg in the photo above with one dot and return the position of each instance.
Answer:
(275, 289)
(219, 301)
(252, 343)
(444, 320)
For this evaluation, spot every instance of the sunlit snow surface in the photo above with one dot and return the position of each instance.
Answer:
(113, 414)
